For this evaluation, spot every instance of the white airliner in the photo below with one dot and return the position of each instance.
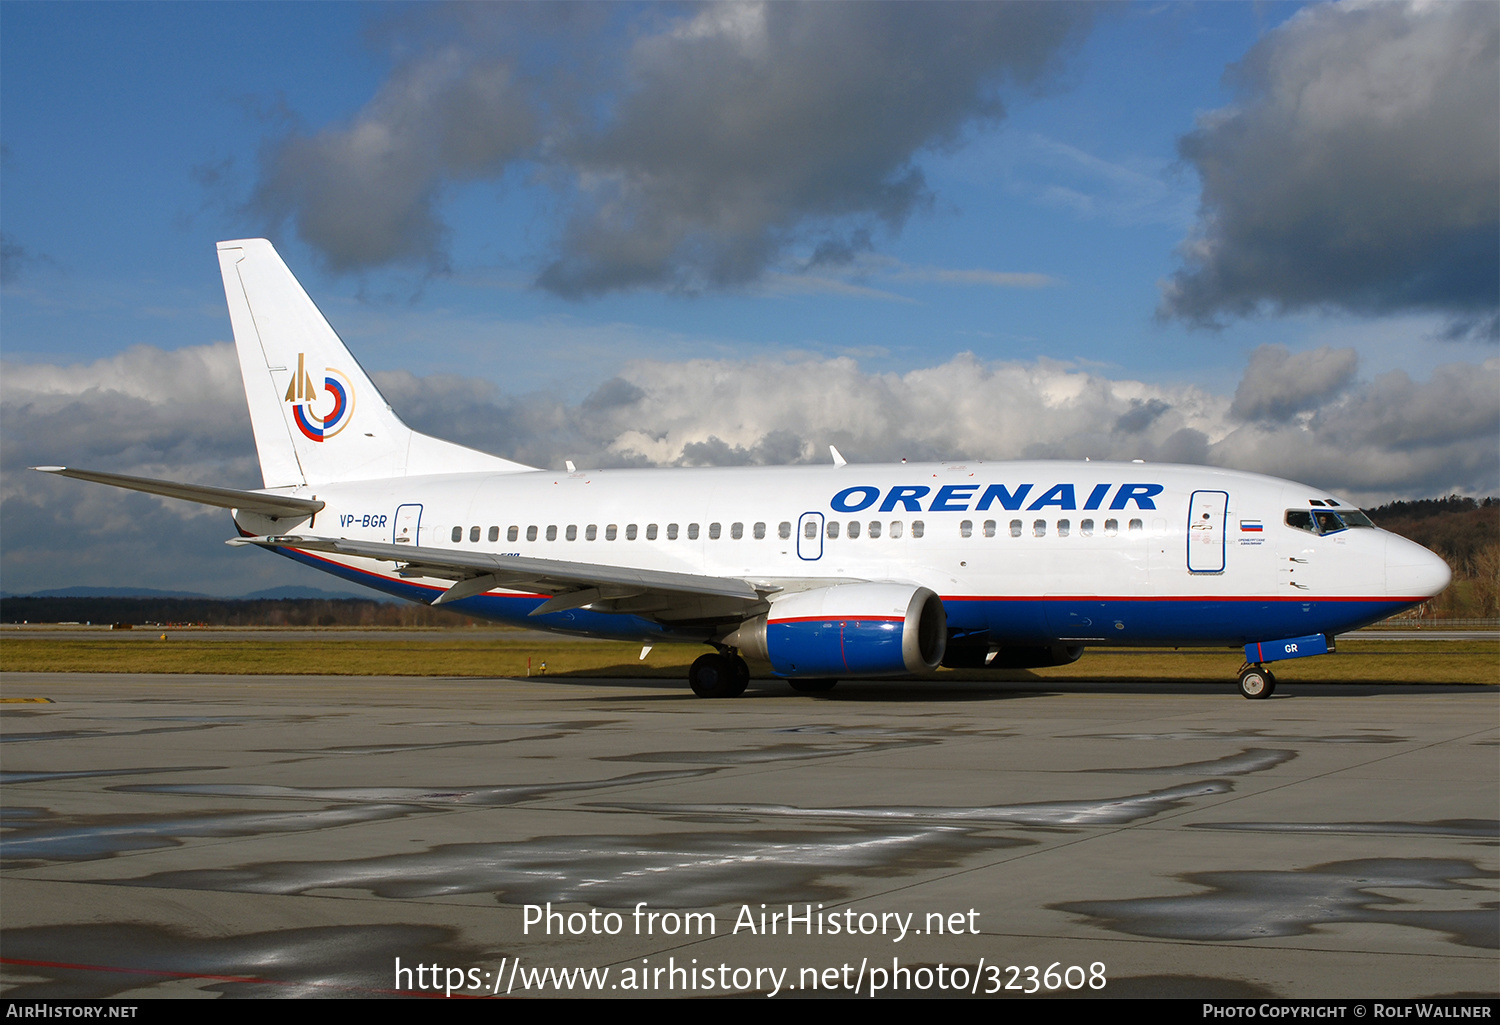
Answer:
(841, 570)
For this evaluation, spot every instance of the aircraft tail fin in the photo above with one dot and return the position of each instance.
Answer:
(317, 416)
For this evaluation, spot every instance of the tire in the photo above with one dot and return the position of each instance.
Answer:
(741, 675)
(714, 676)
(1257, 684)
(812, 686)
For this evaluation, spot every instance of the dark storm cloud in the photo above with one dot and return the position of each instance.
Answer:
(1361, 170)
(689, 150)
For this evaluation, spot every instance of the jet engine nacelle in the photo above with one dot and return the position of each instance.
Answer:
(869, 629)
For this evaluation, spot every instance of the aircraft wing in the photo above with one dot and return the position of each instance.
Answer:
(655, 594)
(227, 498)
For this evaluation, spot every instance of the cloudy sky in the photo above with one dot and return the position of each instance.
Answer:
(1262, 236)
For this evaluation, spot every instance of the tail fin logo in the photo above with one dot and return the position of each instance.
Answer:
(304, 398)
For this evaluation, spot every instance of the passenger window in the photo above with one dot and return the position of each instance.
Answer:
(473, 533)
(494, 533)
(918, 528)
(1015, 528)
(671, 532)
(874, 530)
(1086, 528)
(833, 529)
(531, 533)
(736, 531)
(572, 532)
(810, 530)
(512, 533)
(989, 528)
(713, 531)
(591, 533)
(966, 528)
(853, 530)
(552, 532)
(1111, 528)
(692, 531)
(650, 532)
(1063, 526)
(611, 532)
(1039, 528)
(895, 528)
(1136, 526)
(458, 533)
(631, 530)
(760, 531)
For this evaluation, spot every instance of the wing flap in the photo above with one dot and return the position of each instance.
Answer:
(572, 584)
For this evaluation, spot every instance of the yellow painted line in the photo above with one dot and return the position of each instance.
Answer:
(25, 701)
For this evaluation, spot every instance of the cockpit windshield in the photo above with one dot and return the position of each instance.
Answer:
(1326, 521)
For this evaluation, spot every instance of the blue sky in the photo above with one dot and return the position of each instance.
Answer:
(658, 193)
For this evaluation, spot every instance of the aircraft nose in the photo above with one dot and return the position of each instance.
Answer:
(1411, 570)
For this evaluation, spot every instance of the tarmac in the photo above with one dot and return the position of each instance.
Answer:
(335, 836)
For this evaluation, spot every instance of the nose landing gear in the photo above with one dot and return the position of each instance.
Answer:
(1256, 681)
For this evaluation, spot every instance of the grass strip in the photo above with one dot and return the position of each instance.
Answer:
(1445, 662)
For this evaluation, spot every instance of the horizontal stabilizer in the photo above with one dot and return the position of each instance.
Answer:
(226, 498)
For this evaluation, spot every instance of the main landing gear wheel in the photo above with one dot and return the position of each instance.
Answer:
(812, 686)
(1257, 682)
(719, 676)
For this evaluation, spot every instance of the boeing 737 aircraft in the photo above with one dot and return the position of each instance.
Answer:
(831, 571)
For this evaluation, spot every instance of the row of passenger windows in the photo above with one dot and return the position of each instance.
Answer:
(612, 532)
(852, 529)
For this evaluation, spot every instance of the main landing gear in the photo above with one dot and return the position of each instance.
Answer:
(1256, 681)
(720, 675)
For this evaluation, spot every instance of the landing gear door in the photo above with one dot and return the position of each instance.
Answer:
(408, 523)
(810, 536)
(1205, 533)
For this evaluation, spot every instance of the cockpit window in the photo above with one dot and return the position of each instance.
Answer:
(1301, 519)
(1328, 522)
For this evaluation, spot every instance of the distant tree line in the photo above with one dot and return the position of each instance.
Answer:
(1464, 531)
(228, 612)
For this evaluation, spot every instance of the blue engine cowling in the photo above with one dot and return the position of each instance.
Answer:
(870, 629)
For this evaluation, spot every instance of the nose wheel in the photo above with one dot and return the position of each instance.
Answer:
(1257, 682)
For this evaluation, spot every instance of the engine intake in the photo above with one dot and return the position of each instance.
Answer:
(869, 629)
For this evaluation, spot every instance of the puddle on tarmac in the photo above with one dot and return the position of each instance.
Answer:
(1486, 829)
(680, 870)
(1255, 759)
(67, 839)
(94, 734)
(484, 796)
(95, 962)
(1109, 811)
(9, 778)
(753, 756)
(1257, 905)
(1254, 734)
(43, 836)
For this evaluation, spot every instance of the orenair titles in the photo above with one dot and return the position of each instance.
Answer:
(958, 497)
